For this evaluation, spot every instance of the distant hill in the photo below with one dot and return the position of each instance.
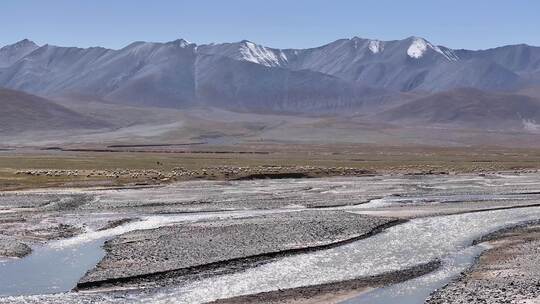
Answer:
(22, 112)
(468, 108)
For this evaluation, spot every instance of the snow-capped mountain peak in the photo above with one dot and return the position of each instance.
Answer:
(419, 46)
(181, 43)
(260, 54)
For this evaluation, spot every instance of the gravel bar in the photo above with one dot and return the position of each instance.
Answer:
(172, 248)
(12, 248)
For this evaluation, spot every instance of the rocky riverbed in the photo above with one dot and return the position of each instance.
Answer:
(254, 240)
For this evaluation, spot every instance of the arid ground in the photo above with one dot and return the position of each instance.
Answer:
(121, 165)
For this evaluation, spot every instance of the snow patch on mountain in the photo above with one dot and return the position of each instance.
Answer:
(449, 54)
(182, 43)
(531, 125)
(375, 46)
(417, 48)
(261, 55)
(420, 46)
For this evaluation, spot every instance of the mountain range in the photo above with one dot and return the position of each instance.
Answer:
(402, 82)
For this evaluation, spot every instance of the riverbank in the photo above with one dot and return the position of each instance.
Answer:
(506, 273)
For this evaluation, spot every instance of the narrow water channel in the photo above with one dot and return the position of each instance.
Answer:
(417, 290)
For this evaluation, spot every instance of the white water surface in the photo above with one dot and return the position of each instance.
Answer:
(416, 242)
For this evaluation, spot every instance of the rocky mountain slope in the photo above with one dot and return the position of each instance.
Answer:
(12, 53)
(244, 76)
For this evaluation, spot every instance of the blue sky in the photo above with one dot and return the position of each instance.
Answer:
(472, 24)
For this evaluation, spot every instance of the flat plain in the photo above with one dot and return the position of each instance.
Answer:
(148, 164)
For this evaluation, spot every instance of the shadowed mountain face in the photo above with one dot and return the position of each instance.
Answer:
(522, 59)
(469, 108)
(244, 86)
(22, 112)
(244, 76)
